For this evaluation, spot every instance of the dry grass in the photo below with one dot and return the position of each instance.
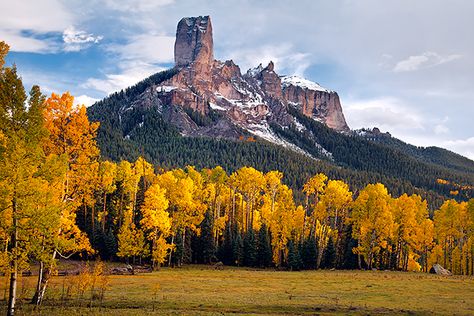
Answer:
(200, 290)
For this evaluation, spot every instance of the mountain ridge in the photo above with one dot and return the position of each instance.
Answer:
(203, 100)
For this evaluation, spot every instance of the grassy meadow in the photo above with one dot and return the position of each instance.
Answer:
(202, 290)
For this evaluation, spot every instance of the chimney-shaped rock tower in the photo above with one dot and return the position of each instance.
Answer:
(194, 41)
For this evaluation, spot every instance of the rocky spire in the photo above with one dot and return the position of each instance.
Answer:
(194, 41)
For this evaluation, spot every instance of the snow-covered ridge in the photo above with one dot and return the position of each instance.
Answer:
(303, 83)
(165, 88)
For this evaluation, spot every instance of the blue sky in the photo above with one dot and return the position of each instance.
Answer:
(404, 66)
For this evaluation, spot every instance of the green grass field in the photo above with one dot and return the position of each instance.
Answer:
(201, 290)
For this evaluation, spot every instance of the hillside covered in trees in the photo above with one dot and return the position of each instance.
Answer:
(144, 132)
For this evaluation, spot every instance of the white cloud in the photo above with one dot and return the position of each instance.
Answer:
(25, 25)
(425, 60)
(136, 5)
(75, 40)
(85, 100)
(141, 57)
(387, 113)
(20, 43)
(463, 146)
(147, 48)
(403, 122)
(130, 75)
(38, 16)
(441, 129)
(285, 57)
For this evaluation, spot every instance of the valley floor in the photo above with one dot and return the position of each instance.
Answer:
(202, 290)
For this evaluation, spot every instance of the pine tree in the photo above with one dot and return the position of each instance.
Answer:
(264, 247)
(237, 249)
(178, 251)
(309, 253)
(329, 256)
(250, 249)
(207, 238)
(294, 258)
(348, 258)
(225, 252)
(110, 243)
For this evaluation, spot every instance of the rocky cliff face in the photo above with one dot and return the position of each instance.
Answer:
(315, 101)
(237, 102)
(194, 41)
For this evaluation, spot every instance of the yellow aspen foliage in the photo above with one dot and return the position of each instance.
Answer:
(451, 225)
(271, 188)
(281, 224)
(107, 175)
(160, 250)
(155, 218)
(142, 171)
(249, 182)
(336, 200)
(131, 241)
(314, 187)
(299, 223)
(156, 222)
(372, 221)
(413, 265)
(425, 241)
(322, 232)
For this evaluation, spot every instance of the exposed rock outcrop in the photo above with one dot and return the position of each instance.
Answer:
(438, 269)
(194, 41)
(315, 101)
(249, 102)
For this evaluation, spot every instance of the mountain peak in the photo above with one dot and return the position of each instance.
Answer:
(207, 97)
(194, 42)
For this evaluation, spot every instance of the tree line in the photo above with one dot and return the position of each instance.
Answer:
(59, 199)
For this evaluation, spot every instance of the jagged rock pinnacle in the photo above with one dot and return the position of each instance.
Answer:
(194, 41)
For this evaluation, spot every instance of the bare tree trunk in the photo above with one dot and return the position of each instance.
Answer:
(34, 300)
(171, 251)
(43, 282)
(14, 264)
(105, 210)
(359, 261)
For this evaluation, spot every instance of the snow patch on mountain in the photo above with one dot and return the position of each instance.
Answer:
(303, 83)
(165, 88)
(216, 107)
(264, 131)
(299, 127)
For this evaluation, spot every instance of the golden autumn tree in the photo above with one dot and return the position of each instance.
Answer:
(425, 242)
(127, 181)
(131, 240)
(470, 233)
(313, 189)
(143, 172)
(411, 231)
(186, 212)
(215, 185)
(452, 223)
(249, 182)
(281, 223)
(372, 222)
(106, 185)
(156, 222)
(28, 179)
(71, 137)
